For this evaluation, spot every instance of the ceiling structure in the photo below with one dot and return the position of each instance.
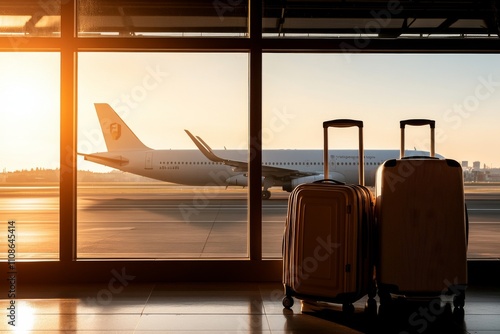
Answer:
(384, 19)
(285, 18)
(286, 26)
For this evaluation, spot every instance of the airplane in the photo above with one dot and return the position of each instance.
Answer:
(285, 168)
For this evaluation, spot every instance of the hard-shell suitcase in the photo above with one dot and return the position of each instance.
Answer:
(422, 226)
(328, 237)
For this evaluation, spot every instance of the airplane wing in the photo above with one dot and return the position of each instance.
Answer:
(241, 166)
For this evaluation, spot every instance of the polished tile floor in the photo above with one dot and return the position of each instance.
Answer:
(226, 308)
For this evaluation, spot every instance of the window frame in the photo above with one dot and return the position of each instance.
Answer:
(255, 268)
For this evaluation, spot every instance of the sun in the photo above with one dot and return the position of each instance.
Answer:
(29, 108)
(20, 98)
(26, 86)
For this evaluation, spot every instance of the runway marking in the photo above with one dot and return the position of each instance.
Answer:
(172, 221)
(154, 221)
(37, 221)
(177, 205)
(108, 229)
(172, 205)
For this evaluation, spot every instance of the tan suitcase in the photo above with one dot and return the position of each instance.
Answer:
(327, 244)
(422, 226)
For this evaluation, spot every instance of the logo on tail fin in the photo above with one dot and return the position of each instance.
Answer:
(116, 130)
(117, 134)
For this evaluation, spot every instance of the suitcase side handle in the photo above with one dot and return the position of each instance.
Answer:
(417, 122)
(344, 123)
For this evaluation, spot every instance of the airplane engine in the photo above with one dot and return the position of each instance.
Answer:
(309, 179)
(238, 180)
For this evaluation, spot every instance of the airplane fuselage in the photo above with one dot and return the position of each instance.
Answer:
(206, 167)
(191, 167)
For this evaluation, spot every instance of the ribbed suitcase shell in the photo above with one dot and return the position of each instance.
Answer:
(327, 240)
(422, 227)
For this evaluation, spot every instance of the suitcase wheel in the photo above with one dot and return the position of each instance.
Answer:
(372, 291)
(458, 314)
(348, 308)
(459, 300)
(371, 308)
(385, 297)
(287, 302)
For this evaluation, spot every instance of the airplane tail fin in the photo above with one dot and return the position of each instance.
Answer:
(117, 134)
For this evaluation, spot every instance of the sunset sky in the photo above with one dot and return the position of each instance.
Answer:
(161, 94)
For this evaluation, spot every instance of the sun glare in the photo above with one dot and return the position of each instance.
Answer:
(26, 91)
(21, 98)
(29, 108)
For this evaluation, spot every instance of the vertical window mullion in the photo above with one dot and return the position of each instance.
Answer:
(67, 195)
(255, 132)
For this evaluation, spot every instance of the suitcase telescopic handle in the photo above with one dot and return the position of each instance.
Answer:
(344, 123)
(417, 122)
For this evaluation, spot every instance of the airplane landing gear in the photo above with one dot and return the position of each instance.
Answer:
(266, 194)
(266, 184)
